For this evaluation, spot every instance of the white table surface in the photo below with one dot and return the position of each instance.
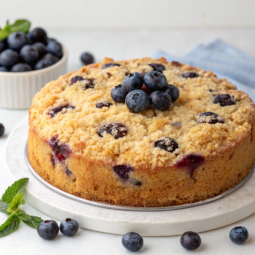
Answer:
(122, 45)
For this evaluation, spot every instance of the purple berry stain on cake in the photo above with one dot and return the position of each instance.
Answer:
(100, 105)
(117, 130)
(76, 79)
(61, 151)
(190, 75)
(109, 65)
(68, 172)
(191, 161)
(123, 171)
(62, 108)
(224, 100)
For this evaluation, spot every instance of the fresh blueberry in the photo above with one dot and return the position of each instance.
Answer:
(21, 67)
(55, 48)
(2, 46)
(3, 69)
(190, 75)
(69, 227)
(50, 40)
(167, 144)
(41, 48)
(210, 118)
(38, 35)
(172, 91)
(190, 240)
(238, 235)
(132, 241)
(157, 67)
(42, 63)
(48, 229)
(137, 101)
(87, 58)
(224, 100)
(28, 38)
(117, 130)
(29, 54)
(123, 171)
(53, 59)
(191, 162)
(103, 104)
(119, 94)
(109, 65)
(2, 129)
(60, 108)
(8, 58)
(160, 100)
(132, 81)
(16, 40)
(155, 80)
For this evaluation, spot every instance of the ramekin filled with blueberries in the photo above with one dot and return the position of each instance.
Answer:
(29, 59)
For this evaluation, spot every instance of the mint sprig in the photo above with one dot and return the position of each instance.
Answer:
(10, 204)
(19, 25)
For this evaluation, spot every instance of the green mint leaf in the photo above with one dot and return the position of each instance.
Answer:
(3, 207)
(20, 25)
(17, 201)
(3, 35)
(17, 187)
(33, 221)
(11, 224)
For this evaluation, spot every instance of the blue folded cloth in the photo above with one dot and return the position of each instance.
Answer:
(223, 59)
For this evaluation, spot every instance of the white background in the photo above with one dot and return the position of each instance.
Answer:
(131, 14)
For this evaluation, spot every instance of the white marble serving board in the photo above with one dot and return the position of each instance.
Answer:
(225, 211)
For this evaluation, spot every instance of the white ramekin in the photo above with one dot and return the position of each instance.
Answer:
(18, 89)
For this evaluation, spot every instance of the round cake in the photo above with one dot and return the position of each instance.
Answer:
(86, 138)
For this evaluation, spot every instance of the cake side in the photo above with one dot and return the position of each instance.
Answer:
(131, 170)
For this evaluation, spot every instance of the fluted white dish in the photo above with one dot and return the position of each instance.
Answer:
(18, 89)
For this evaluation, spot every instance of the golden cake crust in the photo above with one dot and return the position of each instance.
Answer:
(155, 179)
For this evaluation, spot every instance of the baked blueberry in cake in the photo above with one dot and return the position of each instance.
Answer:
(142, 132)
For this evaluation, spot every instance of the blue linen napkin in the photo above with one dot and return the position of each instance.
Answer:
(224, 59)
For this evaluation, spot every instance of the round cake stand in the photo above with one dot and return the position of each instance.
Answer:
(227, 210)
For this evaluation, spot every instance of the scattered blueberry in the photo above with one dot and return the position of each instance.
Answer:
(21, 67)
(160, 100)
(38, 35)
(155, 80)
(190, 240)
(238, 235)
(42, 63)
(158, 67)
(210, 118)
(117, 130)
(69, 227)
(132, 241)
(58, 109)
(87, 58)
(172, 91)
(191, 161)
(48, 229)
(103, 104)
(167, 144)
(223, 100)
(2, 129)
(119, 94)
(55, 48)
(3, 69)
(109, 65)
(2, 46)
(61, 151)
(53, 59)
(132, 81)
(29, 54)
(190, 75)
(16, 40)
(41, 48)
(76, 79)
(137, 101)
(8, 58)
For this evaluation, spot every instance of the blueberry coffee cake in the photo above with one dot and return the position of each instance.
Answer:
(142, 132)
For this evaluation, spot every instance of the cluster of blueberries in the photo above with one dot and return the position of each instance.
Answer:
(22, 52)
(139, 91)
(2, 129)
(132, 241)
